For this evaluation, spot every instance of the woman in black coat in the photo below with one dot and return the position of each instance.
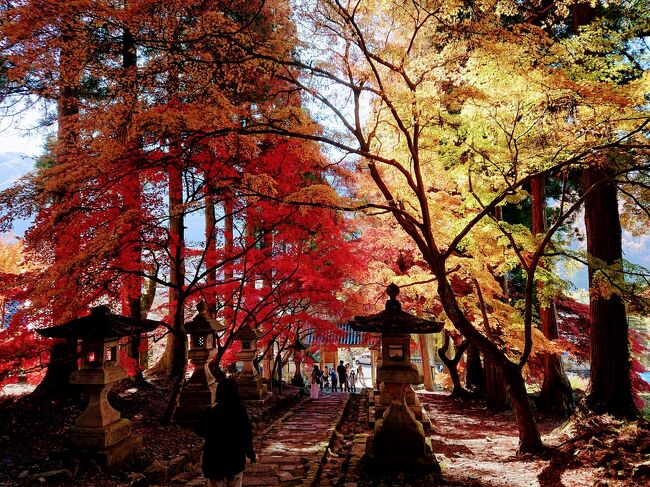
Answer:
(228, 438)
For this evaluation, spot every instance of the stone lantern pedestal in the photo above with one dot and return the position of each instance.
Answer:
(199, 392)
(249, 380)
(100, 428)
(99, 431)
(298, 348)
(398, 442)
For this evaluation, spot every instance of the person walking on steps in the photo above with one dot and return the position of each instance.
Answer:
(224, 461)
(333, 377)
(343, 376)
(352, 380)
(316, 381)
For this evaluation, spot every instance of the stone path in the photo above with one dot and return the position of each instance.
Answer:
(291, 451)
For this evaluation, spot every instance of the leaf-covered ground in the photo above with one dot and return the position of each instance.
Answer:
(32, 427)
(477, 447)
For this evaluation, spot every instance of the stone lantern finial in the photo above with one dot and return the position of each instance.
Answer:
(392, 290)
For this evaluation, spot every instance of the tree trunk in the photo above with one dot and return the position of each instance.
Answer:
(497, 396)
(529, 438)
(210, 252)
(475, 377)
(556, 394)
(610, 385)
(452, 364)
(229, 247)
(173, 361)
(63, 356)
(178, 365)
(132, 198)
(426, 365)
(63, 361)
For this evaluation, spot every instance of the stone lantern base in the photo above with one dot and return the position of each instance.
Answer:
(251, 388)
(111, 446)
(399, 444)
(194, 401)
(388, 392)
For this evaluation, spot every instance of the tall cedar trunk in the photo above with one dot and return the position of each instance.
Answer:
(210, 251)
(529, 437)
(178, 359)
(426, 362)
(177, 365)
(229, 247)
(556, 394)
(610, 388)
(497, 396)
(452, 364)
(132, 197)
(173, 361)
(495, 387)
(475, 377)
(610, 385)
(63, 356)
(179, 362)
(63, 362)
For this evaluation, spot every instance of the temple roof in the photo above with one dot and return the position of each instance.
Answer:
(342, 336)
(99, 324)
(394, 320)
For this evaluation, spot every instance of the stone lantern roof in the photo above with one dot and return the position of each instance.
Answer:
(394, 320)
(202, 323)
(246, 333)
(100, 324)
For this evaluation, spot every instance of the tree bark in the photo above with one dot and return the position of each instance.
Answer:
(497, 396)
(210, 251)
(452, 364)
(529, 438)
(475, 377)
(426, 366)
(173, 362)
(63, 361)
(229, 247)
(63, 356)
(556, 393)
(610, 385)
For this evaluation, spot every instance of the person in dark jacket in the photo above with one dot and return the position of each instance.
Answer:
(228, 438)
(343, 376)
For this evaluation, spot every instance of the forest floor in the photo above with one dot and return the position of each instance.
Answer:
(32, 430)
(474, 446)
(477, 447)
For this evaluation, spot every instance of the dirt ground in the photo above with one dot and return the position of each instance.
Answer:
(477, 447)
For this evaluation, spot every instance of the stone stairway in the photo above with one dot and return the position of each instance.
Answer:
(292, 449)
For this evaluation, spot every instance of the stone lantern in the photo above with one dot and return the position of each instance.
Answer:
(298, 347)
(398, 442)
(375, 360)
(199, 391)
(99, 431)
(249, 380)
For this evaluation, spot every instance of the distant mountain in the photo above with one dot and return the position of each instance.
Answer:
(12, 166)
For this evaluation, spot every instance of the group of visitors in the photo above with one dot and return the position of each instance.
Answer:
(343, 379)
